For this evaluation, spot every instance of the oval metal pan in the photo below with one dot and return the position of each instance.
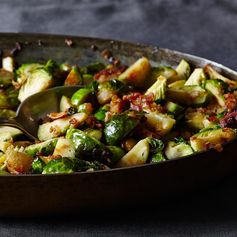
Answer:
(32, 195)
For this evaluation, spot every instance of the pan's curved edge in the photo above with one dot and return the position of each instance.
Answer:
(39, 194)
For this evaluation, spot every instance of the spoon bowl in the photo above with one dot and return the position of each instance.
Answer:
(36, 107)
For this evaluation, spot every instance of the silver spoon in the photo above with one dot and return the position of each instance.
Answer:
(36, 107)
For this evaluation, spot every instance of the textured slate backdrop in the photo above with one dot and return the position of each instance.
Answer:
(204, 28)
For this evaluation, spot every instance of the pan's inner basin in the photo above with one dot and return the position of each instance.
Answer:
(123, 115)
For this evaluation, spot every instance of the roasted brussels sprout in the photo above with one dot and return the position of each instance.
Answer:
(197, 78)
(137, 156)
(165, 71)
(158, 88)
(59, 126)
(137, 73)
(118, 127)
(33, 78)
(183, 70)
(37, 165)
(65, 103)
(161, 123)
(216, 88)
(88, 147)
(213, 74)
(42, 148)
(196, 119)
(188, 95)
(74, 77)
(107, 89)
(100, 114)
(96, 133)
(211, 138)
(156, 148)
(117, 153)
(121, 116)
(80, 96)
(177, 149)
(60, 166)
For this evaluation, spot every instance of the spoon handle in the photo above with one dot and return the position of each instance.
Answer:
(11, 122)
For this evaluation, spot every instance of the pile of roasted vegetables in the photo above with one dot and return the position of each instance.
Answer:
(122, 116)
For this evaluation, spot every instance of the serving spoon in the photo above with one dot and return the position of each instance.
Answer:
(36, 107)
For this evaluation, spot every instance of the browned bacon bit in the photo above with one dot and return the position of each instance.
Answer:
(74, 122)
(106, 54)
(109, 74)
(55, 130)
(230, 102)
(218, 147)
(116, 105)
(88, 108)
(91, 121)
(55, 115)
(108, 115)
(141, 102)
(98, 125)
(229, 120)
(16, 85)
(213, 118)
(68, 42)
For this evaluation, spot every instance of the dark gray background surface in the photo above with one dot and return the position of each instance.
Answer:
(204, 28)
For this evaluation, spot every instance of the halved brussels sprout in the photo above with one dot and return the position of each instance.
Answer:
(118, 127)
(137, 73)
(177, 149)
(60, 166)
(42, 148)
(183, 70)
(197, 78)
(88, 147)
(161, 123)
(64, 148)
(216, 88)
(137, 156)
(74, 77)
(187, 95)
(211, 138)
(158, 88)
(58, 127)
(213, 74)
(38, 80)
